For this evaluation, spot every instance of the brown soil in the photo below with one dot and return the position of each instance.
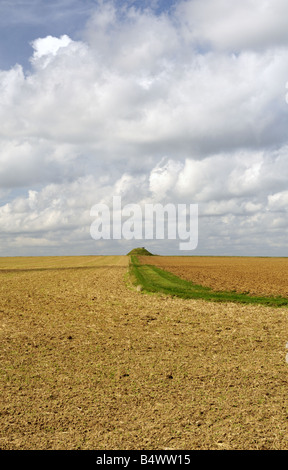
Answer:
(256, 276)
(87, 362)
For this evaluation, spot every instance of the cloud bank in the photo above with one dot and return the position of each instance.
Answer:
(186, 105)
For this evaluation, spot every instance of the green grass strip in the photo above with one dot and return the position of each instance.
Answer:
(153, 279)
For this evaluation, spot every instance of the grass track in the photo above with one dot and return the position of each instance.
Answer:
(88, 364)
(154, 279)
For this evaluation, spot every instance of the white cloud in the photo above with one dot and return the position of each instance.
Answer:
(84, 93)
(249, 24)
(136, 108)
(163, 178)
(62, 211)
(49, 46)
(278, 201)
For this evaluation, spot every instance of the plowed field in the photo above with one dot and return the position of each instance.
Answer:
(87, 362)
(256, 276)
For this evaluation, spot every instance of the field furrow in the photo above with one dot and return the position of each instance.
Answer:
(87, 362)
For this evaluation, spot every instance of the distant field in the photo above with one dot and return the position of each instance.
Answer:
(256, 276)
(89, 362)
(54, 262)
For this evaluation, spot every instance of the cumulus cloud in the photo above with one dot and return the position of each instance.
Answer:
(227, 213)
(249, 24)
(176, 106)
(48, 48)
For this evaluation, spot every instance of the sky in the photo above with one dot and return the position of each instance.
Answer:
(168, 102)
